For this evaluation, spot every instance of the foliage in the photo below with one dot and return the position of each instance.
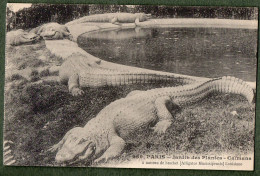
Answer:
(245, 13)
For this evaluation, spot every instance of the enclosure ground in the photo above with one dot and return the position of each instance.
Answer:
(39, 111)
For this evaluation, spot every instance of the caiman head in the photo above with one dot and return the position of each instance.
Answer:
(20, 37)
(30, 37)
(144, 17)
(78, 146)
(53, 31)
(51, 34)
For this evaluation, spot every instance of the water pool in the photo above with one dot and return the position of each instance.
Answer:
(205, 52)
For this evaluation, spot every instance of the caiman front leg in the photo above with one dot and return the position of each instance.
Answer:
(73, 84)
(117, 145)
(165, 117)
(67, 35)
(137, 21)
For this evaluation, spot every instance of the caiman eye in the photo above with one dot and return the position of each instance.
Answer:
(81, 141)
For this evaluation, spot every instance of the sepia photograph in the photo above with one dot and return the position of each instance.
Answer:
(130, 86)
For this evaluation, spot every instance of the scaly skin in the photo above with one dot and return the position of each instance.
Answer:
(104, 136)
(88, 71)
(113, 18)
(20, 37)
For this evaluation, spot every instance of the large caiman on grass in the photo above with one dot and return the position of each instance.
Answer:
(113, 18)
(104, 137)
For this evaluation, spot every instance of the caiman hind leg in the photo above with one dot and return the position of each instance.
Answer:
(73, 84)
(163, 113)
(114, 20)
(117, 145)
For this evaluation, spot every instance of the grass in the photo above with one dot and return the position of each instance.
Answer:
(37, 115)
(22, 58)
(16, 77)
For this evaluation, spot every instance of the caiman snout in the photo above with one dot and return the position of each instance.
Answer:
(30, 38)
(60, 158)
(71, 154)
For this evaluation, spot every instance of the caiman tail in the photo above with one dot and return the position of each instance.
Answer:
(192, 93)
(233, 85)
(116, 78)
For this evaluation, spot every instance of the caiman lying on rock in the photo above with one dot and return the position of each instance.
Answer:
(104, 137)
(20, 37)
(49, 31)
(52, 31)
(113, 18)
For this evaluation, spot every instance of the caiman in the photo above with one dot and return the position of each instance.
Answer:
(88, 71)
(20, 37)
(104, 137)
(52, 31)
(113, 18)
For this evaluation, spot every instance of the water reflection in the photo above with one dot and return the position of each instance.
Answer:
(206, 52)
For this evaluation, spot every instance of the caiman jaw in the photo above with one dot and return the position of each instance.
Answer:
(29, 39)
(69, 156)
(49, 35)
(88, 153)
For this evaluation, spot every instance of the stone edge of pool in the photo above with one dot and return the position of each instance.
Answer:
(66, 48)
(78, 29)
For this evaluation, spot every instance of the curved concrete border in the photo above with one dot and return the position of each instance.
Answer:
(78, 29)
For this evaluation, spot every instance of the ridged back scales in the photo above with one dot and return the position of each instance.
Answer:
(194, 92)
